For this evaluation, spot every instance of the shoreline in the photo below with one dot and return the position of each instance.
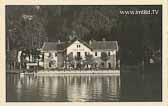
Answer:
(54, 72)
(80, 72)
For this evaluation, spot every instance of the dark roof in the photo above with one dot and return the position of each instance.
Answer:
(104, 45)
(53, 46)
(95, 45)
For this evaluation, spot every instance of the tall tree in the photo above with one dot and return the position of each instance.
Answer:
(89, 60)
(104, 57)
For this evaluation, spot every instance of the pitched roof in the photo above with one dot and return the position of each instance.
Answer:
(95, 45)
(53, 46)
(104, 45)
(83, 42)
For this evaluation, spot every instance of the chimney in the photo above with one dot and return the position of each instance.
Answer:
(90, 42)
(59, 41)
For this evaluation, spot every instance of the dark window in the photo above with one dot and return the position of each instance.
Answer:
(78, 46)
(95, 53)
(109, 65)
(50, 55)
(109, 53)
(50, 64)
(85, 53)
(55, 54)
(102, 64)
(78, 54)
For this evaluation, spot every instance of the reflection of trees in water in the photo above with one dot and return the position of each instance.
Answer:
(68, 88)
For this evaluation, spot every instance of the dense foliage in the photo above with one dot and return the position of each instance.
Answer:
(29, 26)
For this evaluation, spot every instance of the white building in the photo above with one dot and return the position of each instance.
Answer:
(74, 54)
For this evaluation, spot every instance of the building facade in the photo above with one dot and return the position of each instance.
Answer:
(79, 54)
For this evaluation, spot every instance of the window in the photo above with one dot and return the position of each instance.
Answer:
(49, 55)
(95, 53)
(78, 54)
(102, 64)
(85, 53)
(109, 53)
(109, 65)
(55, 54)
(78, 46)
(50, 64)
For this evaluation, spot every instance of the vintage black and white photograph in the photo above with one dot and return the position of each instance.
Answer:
(83, 53)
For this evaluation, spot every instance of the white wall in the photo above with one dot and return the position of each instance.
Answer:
(99, 53)
(46, 54)
(82, 49)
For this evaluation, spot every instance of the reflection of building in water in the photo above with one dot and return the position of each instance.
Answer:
(54, 85)
(84, 88)
(114, 86)
(70, 88)
(93, 88)
(77, 88)
(96, 87)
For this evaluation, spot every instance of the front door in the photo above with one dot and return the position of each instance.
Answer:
(78, 54)
(109, 65)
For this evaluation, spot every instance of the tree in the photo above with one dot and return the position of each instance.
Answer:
(25, 53)
(70, 61)
(78, 60)
(104, 57)
(89, 60)
(35, 54)
(133, 32)
(25, 27)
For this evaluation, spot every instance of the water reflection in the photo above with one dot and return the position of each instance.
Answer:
(63, 88)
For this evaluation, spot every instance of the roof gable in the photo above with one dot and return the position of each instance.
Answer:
(81, 41)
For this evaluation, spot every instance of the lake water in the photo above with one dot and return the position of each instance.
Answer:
(128, 86)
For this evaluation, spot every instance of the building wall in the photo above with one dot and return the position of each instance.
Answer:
(100, 51)
(78, 47)
(48, 57)
(60, 59)
(111, 62)
(112, 59)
